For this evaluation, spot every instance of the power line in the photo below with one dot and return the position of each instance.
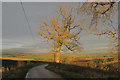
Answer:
(27, 22)
(29, 27)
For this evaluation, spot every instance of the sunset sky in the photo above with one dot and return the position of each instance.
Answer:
(16, 35)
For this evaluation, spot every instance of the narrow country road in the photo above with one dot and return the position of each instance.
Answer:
(41, 72)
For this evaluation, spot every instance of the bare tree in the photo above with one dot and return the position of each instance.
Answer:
(101, 13)
(102, 22)
(63, 29)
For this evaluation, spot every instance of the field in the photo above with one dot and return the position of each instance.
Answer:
(102, 61)
(29, 57)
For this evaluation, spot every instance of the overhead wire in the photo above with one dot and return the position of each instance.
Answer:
(29, 27)
(27, 22)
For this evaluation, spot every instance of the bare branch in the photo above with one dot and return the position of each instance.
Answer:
(59, 29)
(107, 32)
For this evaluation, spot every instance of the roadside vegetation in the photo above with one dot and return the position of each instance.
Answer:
(19, 71)
(74, 71)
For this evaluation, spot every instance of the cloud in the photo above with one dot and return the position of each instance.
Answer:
(7, 44)
(20, 50)
(100, 48)
(26, 50)
(11, 46)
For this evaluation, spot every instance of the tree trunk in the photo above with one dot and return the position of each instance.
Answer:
(57, 55)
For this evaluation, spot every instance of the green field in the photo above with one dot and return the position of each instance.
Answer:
(22, 56)
(50, 56)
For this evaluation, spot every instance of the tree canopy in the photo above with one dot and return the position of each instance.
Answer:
(63, 29)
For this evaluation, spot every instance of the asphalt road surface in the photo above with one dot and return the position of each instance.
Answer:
(41, 72)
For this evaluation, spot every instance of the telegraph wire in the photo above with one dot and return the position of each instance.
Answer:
(29, 27)
(27, 21)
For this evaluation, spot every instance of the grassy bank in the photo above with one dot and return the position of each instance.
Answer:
(65, 74)
(20, 72)
(73, 71)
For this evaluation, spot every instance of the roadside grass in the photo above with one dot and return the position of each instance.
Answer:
(66, 74)
(73, 71)
(20, 72)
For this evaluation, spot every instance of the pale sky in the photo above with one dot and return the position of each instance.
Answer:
(16, 35)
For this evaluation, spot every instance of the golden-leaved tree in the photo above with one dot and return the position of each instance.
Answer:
(62, 29)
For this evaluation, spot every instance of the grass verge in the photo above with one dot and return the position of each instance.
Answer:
(20, 72)
(73, 71)
(66, 74)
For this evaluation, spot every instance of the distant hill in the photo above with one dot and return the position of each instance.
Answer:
(28, 56)
(50, 56)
